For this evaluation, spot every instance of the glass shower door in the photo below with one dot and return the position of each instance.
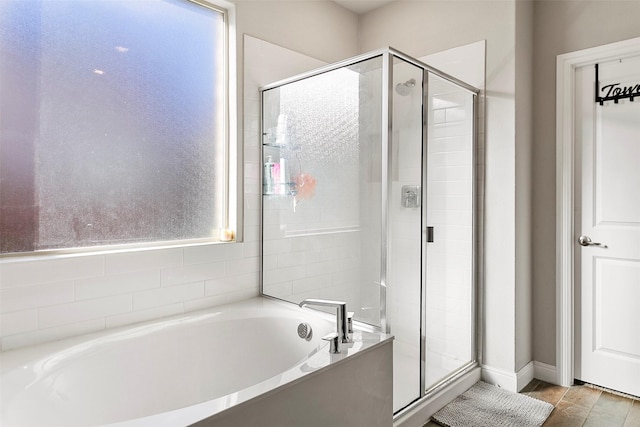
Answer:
(450, 338)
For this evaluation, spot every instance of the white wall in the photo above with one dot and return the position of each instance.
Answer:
(560, 27)
(48, 298)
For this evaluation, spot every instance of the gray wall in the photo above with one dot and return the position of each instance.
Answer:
(560, 27)
(320, 29)
(524, 187)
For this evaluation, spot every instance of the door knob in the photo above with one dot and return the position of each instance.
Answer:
(586, 241)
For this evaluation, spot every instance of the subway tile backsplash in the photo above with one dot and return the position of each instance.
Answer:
(47, 271)
(62, 314)
(45, 300)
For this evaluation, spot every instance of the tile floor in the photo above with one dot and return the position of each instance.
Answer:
(579, 406)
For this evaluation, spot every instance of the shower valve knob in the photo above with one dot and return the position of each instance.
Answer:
(410, 196)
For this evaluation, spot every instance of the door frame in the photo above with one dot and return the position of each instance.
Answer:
(565, 172)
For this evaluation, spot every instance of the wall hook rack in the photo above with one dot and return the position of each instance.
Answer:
(615, 91)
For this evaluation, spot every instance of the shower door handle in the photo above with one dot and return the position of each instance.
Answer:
(429, 234)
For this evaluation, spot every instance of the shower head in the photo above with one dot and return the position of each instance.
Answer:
(404, 89)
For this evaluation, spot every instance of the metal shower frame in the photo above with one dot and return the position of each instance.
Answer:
(388, 54)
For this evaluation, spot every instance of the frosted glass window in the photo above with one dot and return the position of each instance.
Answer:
(113, 122)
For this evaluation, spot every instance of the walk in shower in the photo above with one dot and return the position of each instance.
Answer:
(369, 197)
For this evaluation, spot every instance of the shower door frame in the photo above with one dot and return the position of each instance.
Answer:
(387, 104)
(387, 55)
(476, 289)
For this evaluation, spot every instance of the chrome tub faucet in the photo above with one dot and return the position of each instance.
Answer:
(342, 324)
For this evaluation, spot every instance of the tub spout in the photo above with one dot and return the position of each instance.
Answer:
(342, 326)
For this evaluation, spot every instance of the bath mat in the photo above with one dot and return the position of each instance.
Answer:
(485, 405)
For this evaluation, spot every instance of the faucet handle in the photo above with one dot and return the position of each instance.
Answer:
(334, 342)
(341, 314)
(350, 322)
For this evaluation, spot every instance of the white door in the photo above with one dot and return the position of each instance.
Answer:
(607, 165)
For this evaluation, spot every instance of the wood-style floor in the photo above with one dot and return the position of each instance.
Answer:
(582, 405)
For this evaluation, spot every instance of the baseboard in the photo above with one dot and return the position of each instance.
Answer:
(512, 381)
(545, 372)
(525, 375)
(503, 379)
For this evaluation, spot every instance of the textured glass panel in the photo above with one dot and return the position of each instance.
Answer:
(122, 106)
(321, 237)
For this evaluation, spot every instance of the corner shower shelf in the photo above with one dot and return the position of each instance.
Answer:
(283, 189)
(288, 190)
(290, 147)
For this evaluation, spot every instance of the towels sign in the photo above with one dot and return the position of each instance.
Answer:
(615, 91)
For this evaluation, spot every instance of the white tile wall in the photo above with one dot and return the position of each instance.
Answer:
(21, 273)
(142, 260)
(63, 314)
(53, 298)
(26, 297)
(169, 295)
(99, 287)
(20, 321)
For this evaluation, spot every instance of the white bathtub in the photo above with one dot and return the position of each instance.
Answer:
(225, 366)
